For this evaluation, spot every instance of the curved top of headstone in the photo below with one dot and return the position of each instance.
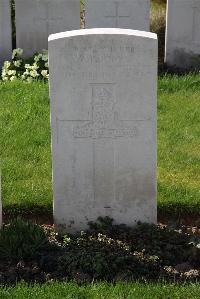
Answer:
(104, 31)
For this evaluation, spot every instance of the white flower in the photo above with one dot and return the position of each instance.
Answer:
(17, 52)
(44, 73)
(14, 53)
(12, 69)
(36, 59)
(4, 76)
(12, 72)
(31, 67)
(35, 66)
(34, 73)
(17, 63)
(4, 72)
(45, 57)
(13, 78)
(6, 64)
(28, 66)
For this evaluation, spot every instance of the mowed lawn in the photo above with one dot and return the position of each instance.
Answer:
(26, 155)
(102, 291)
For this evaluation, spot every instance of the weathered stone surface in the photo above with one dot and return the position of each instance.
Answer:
(37, 19)
(129, 14)
(5, 31)
(103, 119)
(183, 34)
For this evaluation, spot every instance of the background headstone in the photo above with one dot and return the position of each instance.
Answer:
(103, 118)
(5, 31)
(37, 19)
(130, 14)
(183, 34)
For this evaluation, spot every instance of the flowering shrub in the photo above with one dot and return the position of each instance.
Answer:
(27, 70)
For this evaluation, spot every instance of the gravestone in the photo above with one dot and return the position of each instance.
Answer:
(130, 14)
(103, 120)
(5, 31)
(37, 19)
(183, 34)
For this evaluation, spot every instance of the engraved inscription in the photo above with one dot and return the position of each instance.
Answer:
(103, 133)
(117, 16)
(105, 122)
(47, 20)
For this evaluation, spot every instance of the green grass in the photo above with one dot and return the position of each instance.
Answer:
(102, 291)
(156, 4)
(157, 25)
(25, 146)
(179, 144)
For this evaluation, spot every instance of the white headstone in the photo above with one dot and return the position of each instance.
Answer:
(183, 34)
(129, 14)
(5, 31)
(103, 119)
(37, 19)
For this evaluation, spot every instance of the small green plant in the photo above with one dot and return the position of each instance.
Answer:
(21, 240)
(30, 69)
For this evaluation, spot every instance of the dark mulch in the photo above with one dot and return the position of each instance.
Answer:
(112, 253)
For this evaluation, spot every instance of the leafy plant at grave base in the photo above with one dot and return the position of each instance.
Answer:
(103, 252)
(30, 69)
(21, 240)
(169, 245)
(117, 252)
(100, 257)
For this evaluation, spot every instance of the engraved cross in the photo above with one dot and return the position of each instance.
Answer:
(117, 16)
(47, 19)
(104, 124)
